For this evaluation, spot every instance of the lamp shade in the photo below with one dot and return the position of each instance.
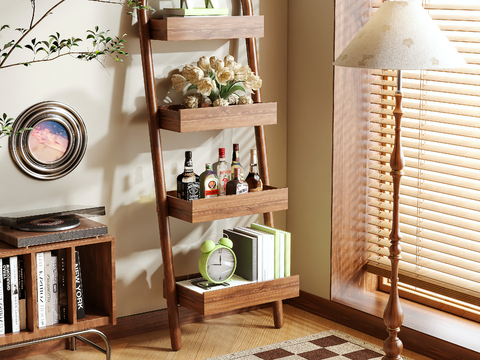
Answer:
(400, 36)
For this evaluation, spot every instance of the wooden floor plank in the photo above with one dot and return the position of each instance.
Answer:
(217, 337)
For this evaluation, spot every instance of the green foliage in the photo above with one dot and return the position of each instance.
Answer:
(6, 127)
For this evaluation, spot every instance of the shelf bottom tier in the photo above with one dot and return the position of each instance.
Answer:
(224, 299)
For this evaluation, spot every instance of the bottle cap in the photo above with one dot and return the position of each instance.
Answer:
(236, 147)
(188, 154)
(208, 166)
(221, 152)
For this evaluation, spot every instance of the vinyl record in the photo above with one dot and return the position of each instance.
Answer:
(51, 224)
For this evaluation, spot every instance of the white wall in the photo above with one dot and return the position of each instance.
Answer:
(116, 170)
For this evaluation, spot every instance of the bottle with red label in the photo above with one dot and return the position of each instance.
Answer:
(209, 183)
(222, 169)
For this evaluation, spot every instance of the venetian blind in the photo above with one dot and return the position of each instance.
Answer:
(440, 190)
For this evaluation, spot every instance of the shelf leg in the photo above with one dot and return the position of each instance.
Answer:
(73, 345)
(278, 314)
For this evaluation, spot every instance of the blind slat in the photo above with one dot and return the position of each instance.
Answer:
(430, 87)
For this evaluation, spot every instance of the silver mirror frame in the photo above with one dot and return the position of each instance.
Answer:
(33, 116)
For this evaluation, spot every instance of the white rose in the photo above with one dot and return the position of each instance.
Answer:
(195, 74)
(245, 100)
(228, 58)
(220, 102)
(206, 86)
(233, 99)
(243, 72)
(253, 82)
(212, 60)
(186, 69)
(232, 65)
(204, 63)
(217, 65)
(191, 102)
(224, 75)
(178, 82)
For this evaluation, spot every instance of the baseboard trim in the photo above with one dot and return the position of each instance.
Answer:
(413, 340)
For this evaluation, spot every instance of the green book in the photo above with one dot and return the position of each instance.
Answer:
(276, 233)
(194, 12)
(288, 252)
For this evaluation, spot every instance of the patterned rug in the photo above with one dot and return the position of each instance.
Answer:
(332, 345)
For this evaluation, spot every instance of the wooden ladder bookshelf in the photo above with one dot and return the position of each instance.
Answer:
(175, 118)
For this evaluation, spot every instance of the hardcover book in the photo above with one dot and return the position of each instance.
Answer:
(42, 316)
(62, 286)
(276, 237)
(14, 285)
(79, 287)
(22, 294)
(245, 248)
(18, 238)
(2, 310)
(47, 255)
(7, 295)
(55, 309)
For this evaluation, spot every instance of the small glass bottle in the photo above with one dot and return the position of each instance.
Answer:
(236, 186)
(236, 162)
(209, 184)
(188, 183)
(253, 179)
(222, 170)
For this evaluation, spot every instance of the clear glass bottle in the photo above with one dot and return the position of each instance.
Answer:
(209, 184)
(253, 179)
(236, 186)
(222, 169)
(188, 183)
(236, 162)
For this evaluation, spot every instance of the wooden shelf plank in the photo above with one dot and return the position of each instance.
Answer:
(227, 299)
(224, 207)
(176, 118)
(206, 28)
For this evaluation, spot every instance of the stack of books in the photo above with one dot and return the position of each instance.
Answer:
(262, 252)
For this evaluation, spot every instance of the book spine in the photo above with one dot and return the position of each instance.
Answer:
(282, 255)
(22, 294)
(55, 309)
(62, 286)
(7, 296)
(42, 318)
(14, 292)
(48, 287)
(2, 309)
(79, 288)
(288, 253)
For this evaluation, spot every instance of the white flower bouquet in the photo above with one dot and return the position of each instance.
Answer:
(217, 82)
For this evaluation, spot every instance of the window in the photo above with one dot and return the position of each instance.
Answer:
(440, 191)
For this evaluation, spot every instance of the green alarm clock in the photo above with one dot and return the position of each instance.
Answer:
(218, 262)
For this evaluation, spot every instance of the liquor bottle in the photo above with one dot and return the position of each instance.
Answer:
(188, 183)
(222, 170)
(209, 183)
(236, 162)
(236, 185)
(253, 179)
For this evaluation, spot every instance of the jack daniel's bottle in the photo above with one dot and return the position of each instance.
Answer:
(188, 183)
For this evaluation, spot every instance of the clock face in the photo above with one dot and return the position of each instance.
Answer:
(220, 264)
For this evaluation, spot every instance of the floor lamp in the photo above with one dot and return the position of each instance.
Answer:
(399, 36)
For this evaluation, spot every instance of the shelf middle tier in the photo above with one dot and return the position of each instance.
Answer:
(177, 118)
(224, 207)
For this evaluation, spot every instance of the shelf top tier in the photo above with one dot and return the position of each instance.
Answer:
(206, 28)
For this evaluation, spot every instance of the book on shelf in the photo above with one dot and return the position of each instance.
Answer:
(7, 296)
(166, 12)
(2, 307)
(279, 248)
(245, 249)
(22, 294)
(79, 288)
(47, 260)
(62, 285)
(55, 311)
(265, 252)
(42, 316)
(14, 293)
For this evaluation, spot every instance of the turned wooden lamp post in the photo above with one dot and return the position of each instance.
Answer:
(399, 36)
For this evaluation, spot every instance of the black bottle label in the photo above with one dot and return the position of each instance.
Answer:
(190, 191)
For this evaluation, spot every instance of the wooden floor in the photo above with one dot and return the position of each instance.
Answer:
(217, 337)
